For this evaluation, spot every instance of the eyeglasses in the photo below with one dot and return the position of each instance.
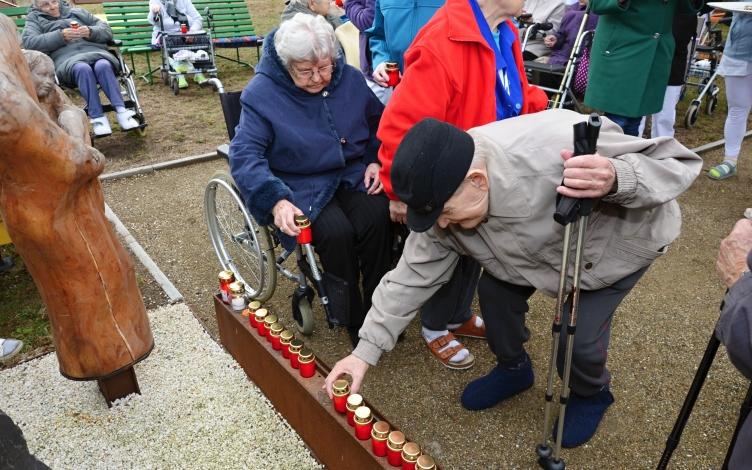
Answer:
(307, 74)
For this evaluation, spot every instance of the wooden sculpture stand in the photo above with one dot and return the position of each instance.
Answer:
(302, 402)
(53, 206)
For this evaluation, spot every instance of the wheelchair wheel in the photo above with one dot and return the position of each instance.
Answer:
(242, 245)
(690, 118)
(305, 320)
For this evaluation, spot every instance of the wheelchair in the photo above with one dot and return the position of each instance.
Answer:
(247, 248)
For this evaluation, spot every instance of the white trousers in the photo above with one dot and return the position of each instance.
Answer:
(739, 96)
(663, 121)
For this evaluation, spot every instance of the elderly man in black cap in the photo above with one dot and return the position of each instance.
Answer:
(490, 193)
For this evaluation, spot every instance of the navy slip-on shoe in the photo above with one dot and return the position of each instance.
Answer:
(503, 381)
(583, 416)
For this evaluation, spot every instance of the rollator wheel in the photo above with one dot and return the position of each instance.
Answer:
(711, 105)
(165, 77)
(240, 243)
(690, 118)
(305, 320)
(175, 87)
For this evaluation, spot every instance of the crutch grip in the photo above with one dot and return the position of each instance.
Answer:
(585, 142)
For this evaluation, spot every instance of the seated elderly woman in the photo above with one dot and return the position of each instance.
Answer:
(77, 42)
(306, 144)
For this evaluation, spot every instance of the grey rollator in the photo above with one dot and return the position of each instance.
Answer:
(569, 212)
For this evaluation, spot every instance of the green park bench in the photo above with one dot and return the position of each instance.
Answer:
(231, 27)
(17, 14)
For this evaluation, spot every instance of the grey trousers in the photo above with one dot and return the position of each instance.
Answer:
(504, 307)
(451, 303)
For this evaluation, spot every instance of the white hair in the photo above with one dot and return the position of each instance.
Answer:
(305, 38)
(304, 3)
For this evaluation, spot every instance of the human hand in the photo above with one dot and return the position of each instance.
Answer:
(372, 180)
(353, 366)
(398, 211)
(380, 76)
(70, 34)
(586, 176)
(336, 8)
(84, 32)
(284, 213)
(155, 9)
(550, 40)
(732, 254)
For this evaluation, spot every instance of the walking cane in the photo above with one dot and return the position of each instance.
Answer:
(568, 211)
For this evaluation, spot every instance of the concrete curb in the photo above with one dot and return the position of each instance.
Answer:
(167, 286)
(713, 145)
(141, 170)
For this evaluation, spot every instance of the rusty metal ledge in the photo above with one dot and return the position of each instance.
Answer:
(302, 402)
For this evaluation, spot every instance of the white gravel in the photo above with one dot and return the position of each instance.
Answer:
(197, 410)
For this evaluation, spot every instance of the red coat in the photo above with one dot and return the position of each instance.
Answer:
(450, 74)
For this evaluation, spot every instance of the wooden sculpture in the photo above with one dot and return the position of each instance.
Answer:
(53, 206)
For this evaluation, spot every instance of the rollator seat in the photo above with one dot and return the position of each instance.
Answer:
(545, 68)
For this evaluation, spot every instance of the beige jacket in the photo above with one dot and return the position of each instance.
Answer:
(520, 242)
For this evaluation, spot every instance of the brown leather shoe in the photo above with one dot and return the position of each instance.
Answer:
(444, 356)
(469, 330)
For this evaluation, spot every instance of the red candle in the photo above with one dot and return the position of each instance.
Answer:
(354, 401)
(268, 322)
(340, 390)
(304, 224)
(307, 363)
(379, 435)
(275, 332)
(394, 445)
(363, 423)
(252, 307)
(183, 28)
(410, 454)
(425, 462)
(295, 346)
(284, 341)
(225, 278)
(392, 70)
(260, 317)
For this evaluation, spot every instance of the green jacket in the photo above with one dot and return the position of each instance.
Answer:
(631, 55)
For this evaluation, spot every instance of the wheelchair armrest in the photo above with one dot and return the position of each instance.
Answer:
(115, 43)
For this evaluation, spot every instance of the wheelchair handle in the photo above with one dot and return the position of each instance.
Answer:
(543, 26)
(585, 142)
(524, 17)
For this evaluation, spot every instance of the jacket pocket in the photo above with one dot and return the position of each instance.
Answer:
(636, 252)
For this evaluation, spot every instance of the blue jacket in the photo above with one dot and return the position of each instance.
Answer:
(739, 41)
(298, 146)
(395, 25)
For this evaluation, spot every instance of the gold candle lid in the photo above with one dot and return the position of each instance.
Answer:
(341, 387)
(296, 345)
(363, 415)
(302, 221)
(306, 355)
(226, 275)
(354, 401)
(396, 440)
(246, 312)
(392, 65)
(286, 336)
(236, 288)
(254, 305)
(410, 452)
(276, 329)
(270, 320)
(380, 430)
(261, 314)
(425, 462)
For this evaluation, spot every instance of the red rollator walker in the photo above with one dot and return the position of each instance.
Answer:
(569, 212)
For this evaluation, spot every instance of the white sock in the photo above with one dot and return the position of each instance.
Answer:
(430, 335)
(454, 326)
(120, 109)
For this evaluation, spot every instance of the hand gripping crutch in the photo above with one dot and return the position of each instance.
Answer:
(568, 211)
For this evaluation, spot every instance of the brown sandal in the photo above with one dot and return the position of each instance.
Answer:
(444, 356)
(469, 330)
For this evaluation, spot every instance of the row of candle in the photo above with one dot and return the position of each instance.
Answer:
(384, 441)
(282, 340)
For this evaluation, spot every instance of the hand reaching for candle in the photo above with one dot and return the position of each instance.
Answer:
(352, 365)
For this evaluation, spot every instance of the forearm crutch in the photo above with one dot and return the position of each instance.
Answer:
(568, 212)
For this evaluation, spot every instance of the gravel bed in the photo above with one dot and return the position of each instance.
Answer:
(197, 410)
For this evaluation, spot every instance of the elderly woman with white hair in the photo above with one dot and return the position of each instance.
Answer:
(306, 144)
(325, 8)
(77, 42)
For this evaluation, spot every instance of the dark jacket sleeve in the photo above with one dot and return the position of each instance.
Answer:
(734, 328)
(33, 38)
(260, 189)
(360, 13)
(99, 30)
